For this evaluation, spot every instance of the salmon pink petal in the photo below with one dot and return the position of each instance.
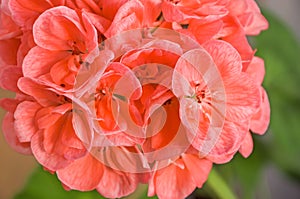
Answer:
(27, 43)
(115, 88)
(25, 125)
(204, 32)
(90, 6)
(243, 98)
(69, 137)
(9, 104)
(260, 120)
(117, 184)
(123, 139)
(4, 7)
(154, 101)
(249, 15)
(60, 71)
(74, 153)
(52, 135)
(126, 159)
(110, 8)
(45, 118)
(9, 57)
(39, 61)
(195, 66)
(60, 28)
(256, 70)
(62, 109)
(9, 76)
(173, 182)
(43, 96)
(129, 16)
(152, 11)
(239, 41)
(237, 7)
(59, 137)
(160, 52)
(51, 161)
(184, 10)
(169, 127)
(126, 83)
(253, 23)
(11, 136)
(25, 12)
(247, 145)
(83, 174)
(226, 58)
(257, 21)
(100, 23)
(8, 28)
(228, 143)
(242, 94)
(171, 13)
(199, 130)
(199, 168)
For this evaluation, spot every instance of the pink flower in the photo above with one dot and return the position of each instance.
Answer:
(54, 143)
(110, 94)
(63, 41)
(203, 94)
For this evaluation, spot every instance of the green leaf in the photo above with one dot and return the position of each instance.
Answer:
(220, 188)
(43, 185)
(281, 52)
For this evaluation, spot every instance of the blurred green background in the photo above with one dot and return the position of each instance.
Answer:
(273, 169)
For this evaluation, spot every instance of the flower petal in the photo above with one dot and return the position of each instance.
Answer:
(173, 182)
(25, 12)
(39, 61)
(51, 161)
(260, 120)
(11, 137)
(247, 145)
(226, 58)
(228, 142)
(40, 93)
(60, 28)
(9, 76)
(256, 70)
(199, 168)
(129, 16)
(117, 184)
(25, 125)
(9, 57)
(83, 174)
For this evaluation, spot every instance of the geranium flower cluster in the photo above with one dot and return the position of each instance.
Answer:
(113, 93)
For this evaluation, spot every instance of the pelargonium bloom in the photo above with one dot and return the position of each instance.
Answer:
(110, 94)
(63, 37)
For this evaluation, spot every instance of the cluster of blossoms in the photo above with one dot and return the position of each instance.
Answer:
(113, 93)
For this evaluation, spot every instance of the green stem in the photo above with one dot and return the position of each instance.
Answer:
(219, 186)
